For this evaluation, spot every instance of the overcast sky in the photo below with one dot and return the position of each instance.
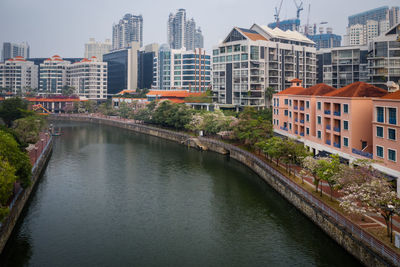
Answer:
(63, 26)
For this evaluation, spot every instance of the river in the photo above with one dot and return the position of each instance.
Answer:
(111, 197)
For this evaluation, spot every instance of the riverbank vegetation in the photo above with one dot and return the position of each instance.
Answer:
(20, 128)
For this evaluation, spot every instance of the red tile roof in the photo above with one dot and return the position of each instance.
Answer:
(254, 36)
(394, 95)
(358, 89)
(39, 99)
(293, 90)
(317, 90)
(295, 80)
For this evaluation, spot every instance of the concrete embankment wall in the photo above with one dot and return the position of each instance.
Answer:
(19, 202)
(321, 215)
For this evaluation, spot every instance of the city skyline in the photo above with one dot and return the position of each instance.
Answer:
(98, 23)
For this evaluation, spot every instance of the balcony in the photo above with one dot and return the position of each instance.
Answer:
(296, 132)
(302, 121)
(296, 107)
(302, 108)
(362, 153)
(327, 112)
(301, 134)
(336, 113)
(284, 128)
(328, 127)
(337, 145)
(328, 142)
(336, 129)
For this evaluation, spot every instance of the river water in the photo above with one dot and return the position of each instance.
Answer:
(110, 197)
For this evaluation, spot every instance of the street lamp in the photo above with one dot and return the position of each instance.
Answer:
(390, 208)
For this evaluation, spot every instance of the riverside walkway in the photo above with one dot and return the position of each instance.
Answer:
(353, 228)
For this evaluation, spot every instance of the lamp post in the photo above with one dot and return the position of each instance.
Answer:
(390, 208)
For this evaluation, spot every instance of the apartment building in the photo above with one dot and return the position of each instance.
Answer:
(12, 50)
(249, 61)
(17, 74)
(97, 49)
(384, 58)
(358, 121)
(341, 66)
(89, 78)
(53, 75)
(181, 69)
(386, 132)
(129, 29)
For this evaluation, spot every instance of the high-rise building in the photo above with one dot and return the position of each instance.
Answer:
(284, 25)
(97, 49)
(376, 14)
(249, 61)
(365, 26)
(182, 33)
(384, 58)
(182, 69)
(53, 75)
(12, 50)
(122, 69)
(326, 40)
(146, 64)
(128, 30)
(17, 74)
(198, 39)
(89, 78)
(341, 66)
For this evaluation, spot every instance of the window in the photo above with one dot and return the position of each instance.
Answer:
(286, 101)
(290, 126)
(286, 112)
(345, 141)
(379, 131)
(391, 134)
(392, 116)
(345, 125)
(308, 131)
(290, 102)
(308, 104)
(392, 155)
(307, 117)
(319, 105)
(319, 119)
(379, 114)
(290, 114)
(319, 134)
(345, 108)
(379, 151)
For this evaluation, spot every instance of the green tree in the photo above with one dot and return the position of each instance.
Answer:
(10, 152)
(12, 109)
(27, 129)
(7, 180)
(269, 93)
(327, 170)
(124, 110)
(67, 90)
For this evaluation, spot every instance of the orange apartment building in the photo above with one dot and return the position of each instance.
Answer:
(342, 121)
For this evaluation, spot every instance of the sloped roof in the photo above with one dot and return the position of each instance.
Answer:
(294, 90)
(394, 95)
(358, 89)
(252, 35)
(49, 99)
(280, 34)
(317, 90)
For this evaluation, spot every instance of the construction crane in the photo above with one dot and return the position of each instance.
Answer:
(277, 12)
(308, 20)
(299, 8)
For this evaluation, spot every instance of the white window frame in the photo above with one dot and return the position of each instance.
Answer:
(395, 134)
(347, 142)
(319, 123)
(383, 151)
(347, 125)
(395, 150)
(383, 132)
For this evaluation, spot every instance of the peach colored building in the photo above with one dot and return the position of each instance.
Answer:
(343, 121)
(386, 132)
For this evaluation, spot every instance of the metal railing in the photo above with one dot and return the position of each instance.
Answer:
(351, 227)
